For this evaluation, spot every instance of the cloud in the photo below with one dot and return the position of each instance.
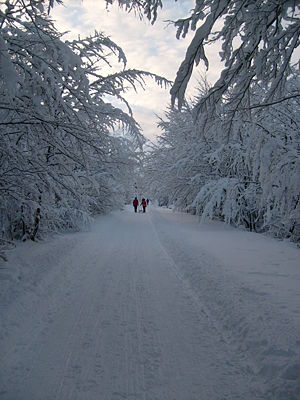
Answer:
(147, 47)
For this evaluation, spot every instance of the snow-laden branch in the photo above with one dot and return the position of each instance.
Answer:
(258, 41)
(65, 148)
(249, 179)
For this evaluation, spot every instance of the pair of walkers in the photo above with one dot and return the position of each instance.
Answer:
(144, 204)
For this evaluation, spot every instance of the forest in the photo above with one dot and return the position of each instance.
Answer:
(68, 151)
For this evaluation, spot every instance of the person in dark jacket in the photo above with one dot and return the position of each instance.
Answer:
(135, 204)
(144, 204)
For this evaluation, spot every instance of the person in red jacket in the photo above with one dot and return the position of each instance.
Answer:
(144, 204)
(135, 204)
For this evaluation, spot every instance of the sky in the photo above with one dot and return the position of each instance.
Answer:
(148, 47)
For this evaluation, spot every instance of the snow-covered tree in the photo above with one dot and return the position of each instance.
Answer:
(258, 40)
(65, 148)
(249, 179)
(175, 166)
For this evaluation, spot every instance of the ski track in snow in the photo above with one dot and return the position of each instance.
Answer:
(151, 307)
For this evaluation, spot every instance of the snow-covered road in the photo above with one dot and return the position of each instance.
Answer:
(151, 307)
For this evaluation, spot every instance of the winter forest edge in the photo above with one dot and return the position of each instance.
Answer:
(232, 153)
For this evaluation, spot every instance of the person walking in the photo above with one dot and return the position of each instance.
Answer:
(135, 204)
(144, 204)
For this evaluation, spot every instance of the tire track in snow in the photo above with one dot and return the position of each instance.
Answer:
(236, 360)
(117, 318)
(246, 318)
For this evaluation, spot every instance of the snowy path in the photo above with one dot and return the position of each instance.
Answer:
(151, 307)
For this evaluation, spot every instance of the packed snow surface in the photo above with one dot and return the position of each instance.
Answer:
(151, 306)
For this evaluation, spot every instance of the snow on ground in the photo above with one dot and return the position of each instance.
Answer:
(151, 307)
